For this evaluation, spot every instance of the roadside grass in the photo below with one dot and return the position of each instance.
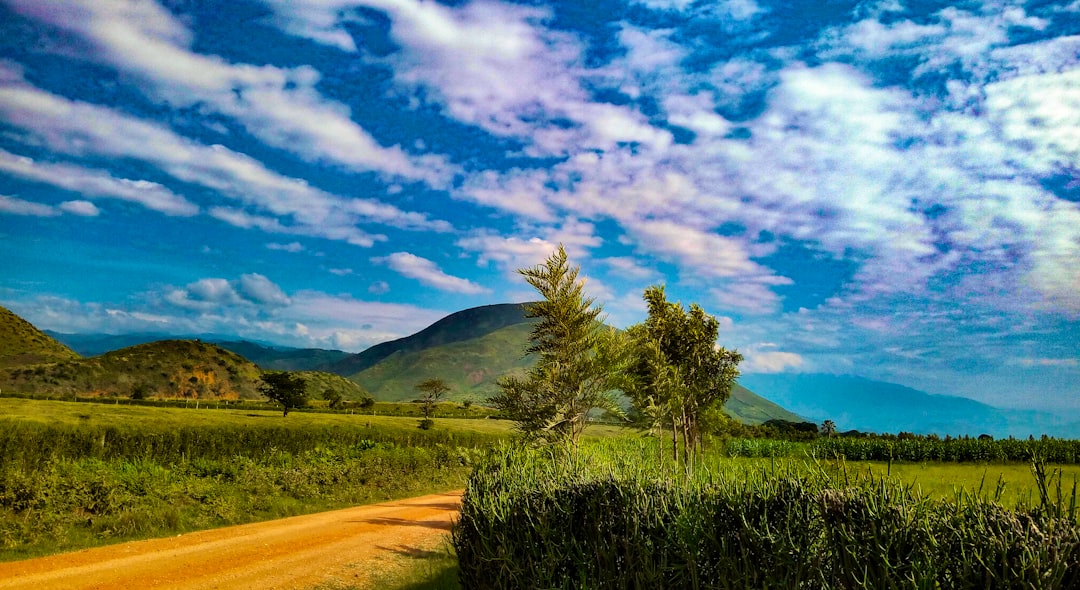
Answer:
(97, 414)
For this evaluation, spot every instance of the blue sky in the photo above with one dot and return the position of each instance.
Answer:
(887, 189)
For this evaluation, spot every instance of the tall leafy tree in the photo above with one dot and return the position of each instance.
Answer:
(578, 358)
(285, 388)
(677, 372)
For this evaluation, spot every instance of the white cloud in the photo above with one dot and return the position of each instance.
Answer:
(97, 183)
(79, 128)
(217, 293)
(293, 247)
(280, 106)
(261, 290)
(493, 65)
(14, 206)
(80, 208)
(770, 361)
(528, 248)
(379, 288)
(341, 272)
(428, 273)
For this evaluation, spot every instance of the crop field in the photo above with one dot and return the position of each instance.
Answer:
(612, 517)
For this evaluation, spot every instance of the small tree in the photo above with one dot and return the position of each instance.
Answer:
(578, 358)
(433, 389)
(828, 428)
(334, 399)
(677, 373)
(285, 388)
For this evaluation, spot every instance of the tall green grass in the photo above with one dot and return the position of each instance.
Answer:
(917, 449)
(612, 517)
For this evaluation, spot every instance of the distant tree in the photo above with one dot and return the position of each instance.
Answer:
(285, 388)
(677, 372)
(578, 358)
(334, 398)
(433, 389)
(828, 428)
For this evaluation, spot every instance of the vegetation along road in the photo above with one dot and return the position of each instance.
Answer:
(350, 546)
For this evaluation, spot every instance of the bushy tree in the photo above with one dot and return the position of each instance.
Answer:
(285, 388)
(677, 373)
(578, 358)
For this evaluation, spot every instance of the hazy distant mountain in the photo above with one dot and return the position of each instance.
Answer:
(862, 404)
(283, 358)
(23, 344)
(279, 358)
(471, 349)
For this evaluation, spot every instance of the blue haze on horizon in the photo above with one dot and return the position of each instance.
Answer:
(889, 189)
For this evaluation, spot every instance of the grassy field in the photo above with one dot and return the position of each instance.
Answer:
(97, 414)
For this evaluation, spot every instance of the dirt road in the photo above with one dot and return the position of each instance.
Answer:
(343, 547)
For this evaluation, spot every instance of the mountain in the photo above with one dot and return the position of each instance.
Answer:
(876, 406)
(268, 357)
(471, 349)
(470, 366)
(168, 368)
(462, 326)
(23, 344)
(282, 358)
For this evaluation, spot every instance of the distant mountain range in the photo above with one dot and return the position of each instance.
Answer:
(472, 348)
(266, 356)
(865, 405)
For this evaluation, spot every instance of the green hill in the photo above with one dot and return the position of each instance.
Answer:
(462, 326)
(319, 382)
(169, 368)
(487, 348)
(23, 344)
(470, 367)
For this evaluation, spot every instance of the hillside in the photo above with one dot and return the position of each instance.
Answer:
(876, 406)
(472, 366)
(461, 326)
(23, 344)
(317, 383)
(169, 368)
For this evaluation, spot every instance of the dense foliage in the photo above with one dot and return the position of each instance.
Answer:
(576, 368)
(676, 372)
(609, 518)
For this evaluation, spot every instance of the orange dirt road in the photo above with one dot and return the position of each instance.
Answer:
(343, 547)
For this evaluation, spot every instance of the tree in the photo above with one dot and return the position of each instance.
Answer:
(285, 388)
(578, 359)
(828, 428)
(677, 373)
(433, 389)
(334, 399)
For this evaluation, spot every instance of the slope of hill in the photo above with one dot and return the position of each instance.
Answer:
(862, 404)
(471, 367)
(317, 383)
(457, 327)
(23, 344)
(169, 368)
